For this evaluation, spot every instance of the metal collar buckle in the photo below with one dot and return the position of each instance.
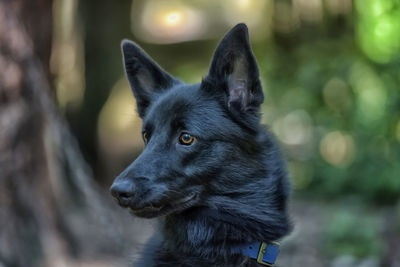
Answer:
(265, 249)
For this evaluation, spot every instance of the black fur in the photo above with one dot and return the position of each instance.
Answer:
(228, 188)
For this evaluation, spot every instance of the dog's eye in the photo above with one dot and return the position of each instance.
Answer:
(186, 139)
(145, 137)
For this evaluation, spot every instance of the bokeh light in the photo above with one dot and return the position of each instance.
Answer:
(371, 96)
(378, 29)
(295, 128)
(119, 127)
(167, 22)
(175, 21)
(173, 18)
(337, 148)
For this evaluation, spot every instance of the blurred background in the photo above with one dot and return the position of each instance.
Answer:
(68, 125)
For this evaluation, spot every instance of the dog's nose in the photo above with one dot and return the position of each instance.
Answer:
(123, 191)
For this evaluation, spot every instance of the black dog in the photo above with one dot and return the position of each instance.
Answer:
(209, 170)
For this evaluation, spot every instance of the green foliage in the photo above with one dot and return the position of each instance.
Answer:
(378, 28)
(352, 110)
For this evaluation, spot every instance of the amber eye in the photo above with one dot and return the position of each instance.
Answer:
(145, 137)
(186, 139)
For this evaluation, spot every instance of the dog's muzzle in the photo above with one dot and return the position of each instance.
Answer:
(123, 191)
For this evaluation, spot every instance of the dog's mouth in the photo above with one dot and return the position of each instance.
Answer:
(155, 210)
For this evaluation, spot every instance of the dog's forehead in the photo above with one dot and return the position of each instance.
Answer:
(177, 102)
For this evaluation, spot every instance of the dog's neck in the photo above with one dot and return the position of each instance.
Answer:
(212, 233)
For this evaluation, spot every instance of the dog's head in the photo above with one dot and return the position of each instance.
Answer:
(201, 140)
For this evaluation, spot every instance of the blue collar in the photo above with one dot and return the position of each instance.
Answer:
(264, 252)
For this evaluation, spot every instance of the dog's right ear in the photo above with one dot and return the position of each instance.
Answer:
(146, 78)
(234, 70)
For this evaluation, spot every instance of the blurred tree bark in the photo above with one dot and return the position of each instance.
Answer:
(49, 209)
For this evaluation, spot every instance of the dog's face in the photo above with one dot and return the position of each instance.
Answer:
(194, 134)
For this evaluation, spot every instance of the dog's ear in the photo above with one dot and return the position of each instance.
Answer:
(146, 78)
(234, 69)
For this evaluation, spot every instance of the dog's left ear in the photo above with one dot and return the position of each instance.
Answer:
(234, 69)
(146, 78)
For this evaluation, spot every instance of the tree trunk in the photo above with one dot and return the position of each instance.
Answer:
(50, 211)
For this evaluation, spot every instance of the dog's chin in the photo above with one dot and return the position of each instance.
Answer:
(152, 211)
